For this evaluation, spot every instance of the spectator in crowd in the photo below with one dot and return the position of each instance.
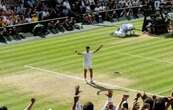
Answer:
(1, 22)
(30, 106)
(148, 101)
(89, 19)
(88, 106)
(30, 3)
(59, 26)
(160, 103)
(3, 108)
(67, 5)
(109, 105)
(112, 16)
(52, 27)
(34, 18)
(76, 104)
(135, 4)
(146, 106)
(5, 34)
(171, 100)
(67, 25)
(124, 103)
(136, 104)
(12, 32)
(40, 30)
(2, 39)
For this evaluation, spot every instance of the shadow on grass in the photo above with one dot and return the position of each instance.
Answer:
(99, 87)
(103, 89)
(127, 36)
(170, 35)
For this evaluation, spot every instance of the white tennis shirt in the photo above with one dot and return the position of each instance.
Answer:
(88, 57)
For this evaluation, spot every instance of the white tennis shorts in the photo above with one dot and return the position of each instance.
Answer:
(87, 66)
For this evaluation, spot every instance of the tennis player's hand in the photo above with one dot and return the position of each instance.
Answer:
(101, 45)
(75, 51)
(33, 100)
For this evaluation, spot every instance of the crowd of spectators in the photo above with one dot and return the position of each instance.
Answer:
(148, 102)
(56, 26)
(44, 13)
(140, 102)
(40, 29)
(27, 11)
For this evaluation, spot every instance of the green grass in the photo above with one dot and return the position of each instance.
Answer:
(147, 61)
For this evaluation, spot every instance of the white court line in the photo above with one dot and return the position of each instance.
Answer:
(135, 55)
(139, 56)
(81, 79)
(166, 90)
(143, 57)
(61, 75)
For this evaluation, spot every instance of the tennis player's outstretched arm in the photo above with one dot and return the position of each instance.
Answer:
(98, 48)
(78, 53)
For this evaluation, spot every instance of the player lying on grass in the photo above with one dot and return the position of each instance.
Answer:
(124, 29)
(87, 55)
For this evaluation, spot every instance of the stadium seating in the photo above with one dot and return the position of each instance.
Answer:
(26, 14)
(27, 18)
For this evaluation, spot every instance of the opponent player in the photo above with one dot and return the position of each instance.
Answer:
(88, 61)
(124, 29)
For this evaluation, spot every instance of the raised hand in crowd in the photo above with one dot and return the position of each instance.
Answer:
(76, 102)
(30, 106)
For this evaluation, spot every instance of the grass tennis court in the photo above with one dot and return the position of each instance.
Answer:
(144, 62)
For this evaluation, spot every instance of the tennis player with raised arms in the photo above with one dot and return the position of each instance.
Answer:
(87, 55)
